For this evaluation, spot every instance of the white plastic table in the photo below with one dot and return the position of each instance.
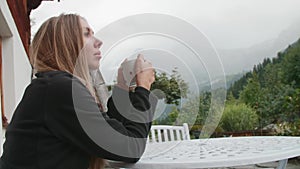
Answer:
(217, 152)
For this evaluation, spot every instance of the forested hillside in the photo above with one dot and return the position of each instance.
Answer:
(272, 88)
(269, 95)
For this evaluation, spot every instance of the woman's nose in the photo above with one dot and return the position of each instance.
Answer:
(98, 43)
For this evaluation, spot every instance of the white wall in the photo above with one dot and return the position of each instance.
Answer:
(15, 63)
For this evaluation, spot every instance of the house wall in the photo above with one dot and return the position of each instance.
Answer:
(16, 69)
(1, 95)
(1, 139)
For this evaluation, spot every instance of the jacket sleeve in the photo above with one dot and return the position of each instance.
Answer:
(123, 101)
(74, 117)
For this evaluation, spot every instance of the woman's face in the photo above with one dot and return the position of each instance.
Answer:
(91, 45)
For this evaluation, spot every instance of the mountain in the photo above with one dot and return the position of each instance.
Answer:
(239, 60)
(218, 83)
(281, 70)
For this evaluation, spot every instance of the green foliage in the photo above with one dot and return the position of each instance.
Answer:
(288, 129)
(173, 87)
(295, 128)
(238, 85)
(270, 93)
(237, 117)
(203, 112)
(251, 92)
(170, 119)
(272, 88)
(293, 102)
(196, 107)
(278, 105)
(291, 68)
(231, 99)
(286, 64)
(230, 79)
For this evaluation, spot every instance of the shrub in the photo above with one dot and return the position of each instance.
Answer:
(237, 117)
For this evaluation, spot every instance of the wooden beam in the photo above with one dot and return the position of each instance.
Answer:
(18, 9)
(4, 119)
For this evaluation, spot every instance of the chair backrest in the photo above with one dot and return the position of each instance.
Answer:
(162, 133)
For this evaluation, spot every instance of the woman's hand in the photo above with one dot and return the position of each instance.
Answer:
(144, 72)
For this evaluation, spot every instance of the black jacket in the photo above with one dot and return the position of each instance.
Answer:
(58, 125)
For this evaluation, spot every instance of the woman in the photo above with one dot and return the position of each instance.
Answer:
(58, 123)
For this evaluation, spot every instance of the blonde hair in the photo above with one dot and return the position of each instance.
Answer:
(58, 45)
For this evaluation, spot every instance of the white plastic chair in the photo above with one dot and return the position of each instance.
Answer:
(163, 133)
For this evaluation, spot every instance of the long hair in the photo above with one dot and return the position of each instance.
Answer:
(58, 45)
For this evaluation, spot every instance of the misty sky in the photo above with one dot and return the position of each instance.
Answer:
(221, 24)
(226, 23)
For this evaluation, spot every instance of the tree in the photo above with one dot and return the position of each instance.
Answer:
(238, 85)
(170, 119)
(195, 110)
(173, 87)
(291, 69)
(272, 88)
(251, 92)
(230, 99)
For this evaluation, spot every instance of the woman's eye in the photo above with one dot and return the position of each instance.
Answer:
(87, 34)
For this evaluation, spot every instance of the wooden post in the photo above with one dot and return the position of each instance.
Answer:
(4, 119)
